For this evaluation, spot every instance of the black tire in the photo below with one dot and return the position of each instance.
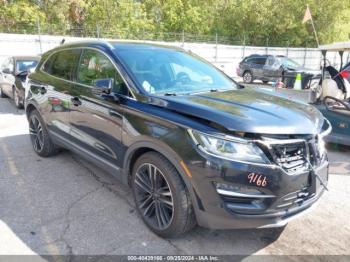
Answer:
(247, 77)
(39, 136)
(167, 187)
(16, 99)
(2, 95)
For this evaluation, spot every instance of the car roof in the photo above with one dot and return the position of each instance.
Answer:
(257, 55)
(122, 45)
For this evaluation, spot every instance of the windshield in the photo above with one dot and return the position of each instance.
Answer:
(288, 63)
(25, 65)
(168, 72)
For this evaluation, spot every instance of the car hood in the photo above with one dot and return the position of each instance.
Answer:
(247, 110)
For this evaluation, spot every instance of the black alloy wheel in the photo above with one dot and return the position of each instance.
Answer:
(39, 136)
(161, 197)
(153, 196)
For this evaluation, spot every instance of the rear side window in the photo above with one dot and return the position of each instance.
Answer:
(63, 63)
(94, 66)
(257, 60)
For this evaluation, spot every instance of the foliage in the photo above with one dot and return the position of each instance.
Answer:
(266, 22)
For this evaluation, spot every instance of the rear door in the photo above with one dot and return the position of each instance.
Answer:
(96, 116)
(257, 65)
(50, 89)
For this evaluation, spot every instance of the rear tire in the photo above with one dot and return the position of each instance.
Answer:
(16, 99)
(161, 197)
(39, 136)
(247, 77)
(2, 95)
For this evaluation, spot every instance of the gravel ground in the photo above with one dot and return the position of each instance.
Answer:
(62, 205)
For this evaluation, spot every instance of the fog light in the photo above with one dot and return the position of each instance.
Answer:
(239, 191)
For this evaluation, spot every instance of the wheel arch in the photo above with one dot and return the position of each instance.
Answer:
(29, 108)
(140, 148)
(248, 70)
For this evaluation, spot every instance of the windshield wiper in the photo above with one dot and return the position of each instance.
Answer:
(170, 94)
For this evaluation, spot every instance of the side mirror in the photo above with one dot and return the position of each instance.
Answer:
(104, 85)
(23, 73)
(6, 71)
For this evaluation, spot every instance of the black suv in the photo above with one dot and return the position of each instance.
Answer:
(274, 68)
(194, 146)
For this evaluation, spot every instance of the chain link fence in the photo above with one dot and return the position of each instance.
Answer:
(99, 31)
(223, 52)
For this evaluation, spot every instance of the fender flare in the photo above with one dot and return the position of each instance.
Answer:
(161, 148)
(30, 104)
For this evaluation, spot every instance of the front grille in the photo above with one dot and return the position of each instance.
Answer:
(293, 155)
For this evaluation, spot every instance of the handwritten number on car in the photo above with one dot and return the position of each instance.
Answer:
(259, 180)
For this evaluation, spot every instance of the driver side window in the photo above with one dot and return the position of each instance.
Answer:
(96, 66)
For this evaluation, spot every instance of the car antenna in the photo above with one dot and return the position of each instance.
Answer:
(63, 40)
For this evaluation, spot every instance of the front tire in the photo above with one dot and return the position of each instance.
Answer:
(39, 136)
(160, 196)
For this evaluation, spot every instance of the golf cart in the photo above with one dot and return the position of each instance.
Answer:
(332, 96)
(328, 92)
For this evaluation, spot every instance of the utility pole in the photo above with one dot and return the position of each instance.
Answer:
(39, 35)
(216, 47)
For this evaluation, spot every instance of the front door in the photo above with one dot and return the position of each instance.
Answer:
(272, 69)
(96, 116)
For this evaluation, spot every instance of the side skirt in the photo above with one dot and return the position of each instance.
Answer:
(88, 155)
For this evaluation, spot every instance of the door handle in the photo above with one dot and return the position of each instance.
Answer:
(76, 101)
(114, 113)
(43, 90)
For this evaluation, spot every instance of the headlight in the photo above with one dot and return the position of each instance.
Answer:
(240, 150)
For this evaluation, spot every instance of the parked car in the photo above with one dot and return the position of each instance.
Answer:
(13, 73)
(195, 146)
(274, 68)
